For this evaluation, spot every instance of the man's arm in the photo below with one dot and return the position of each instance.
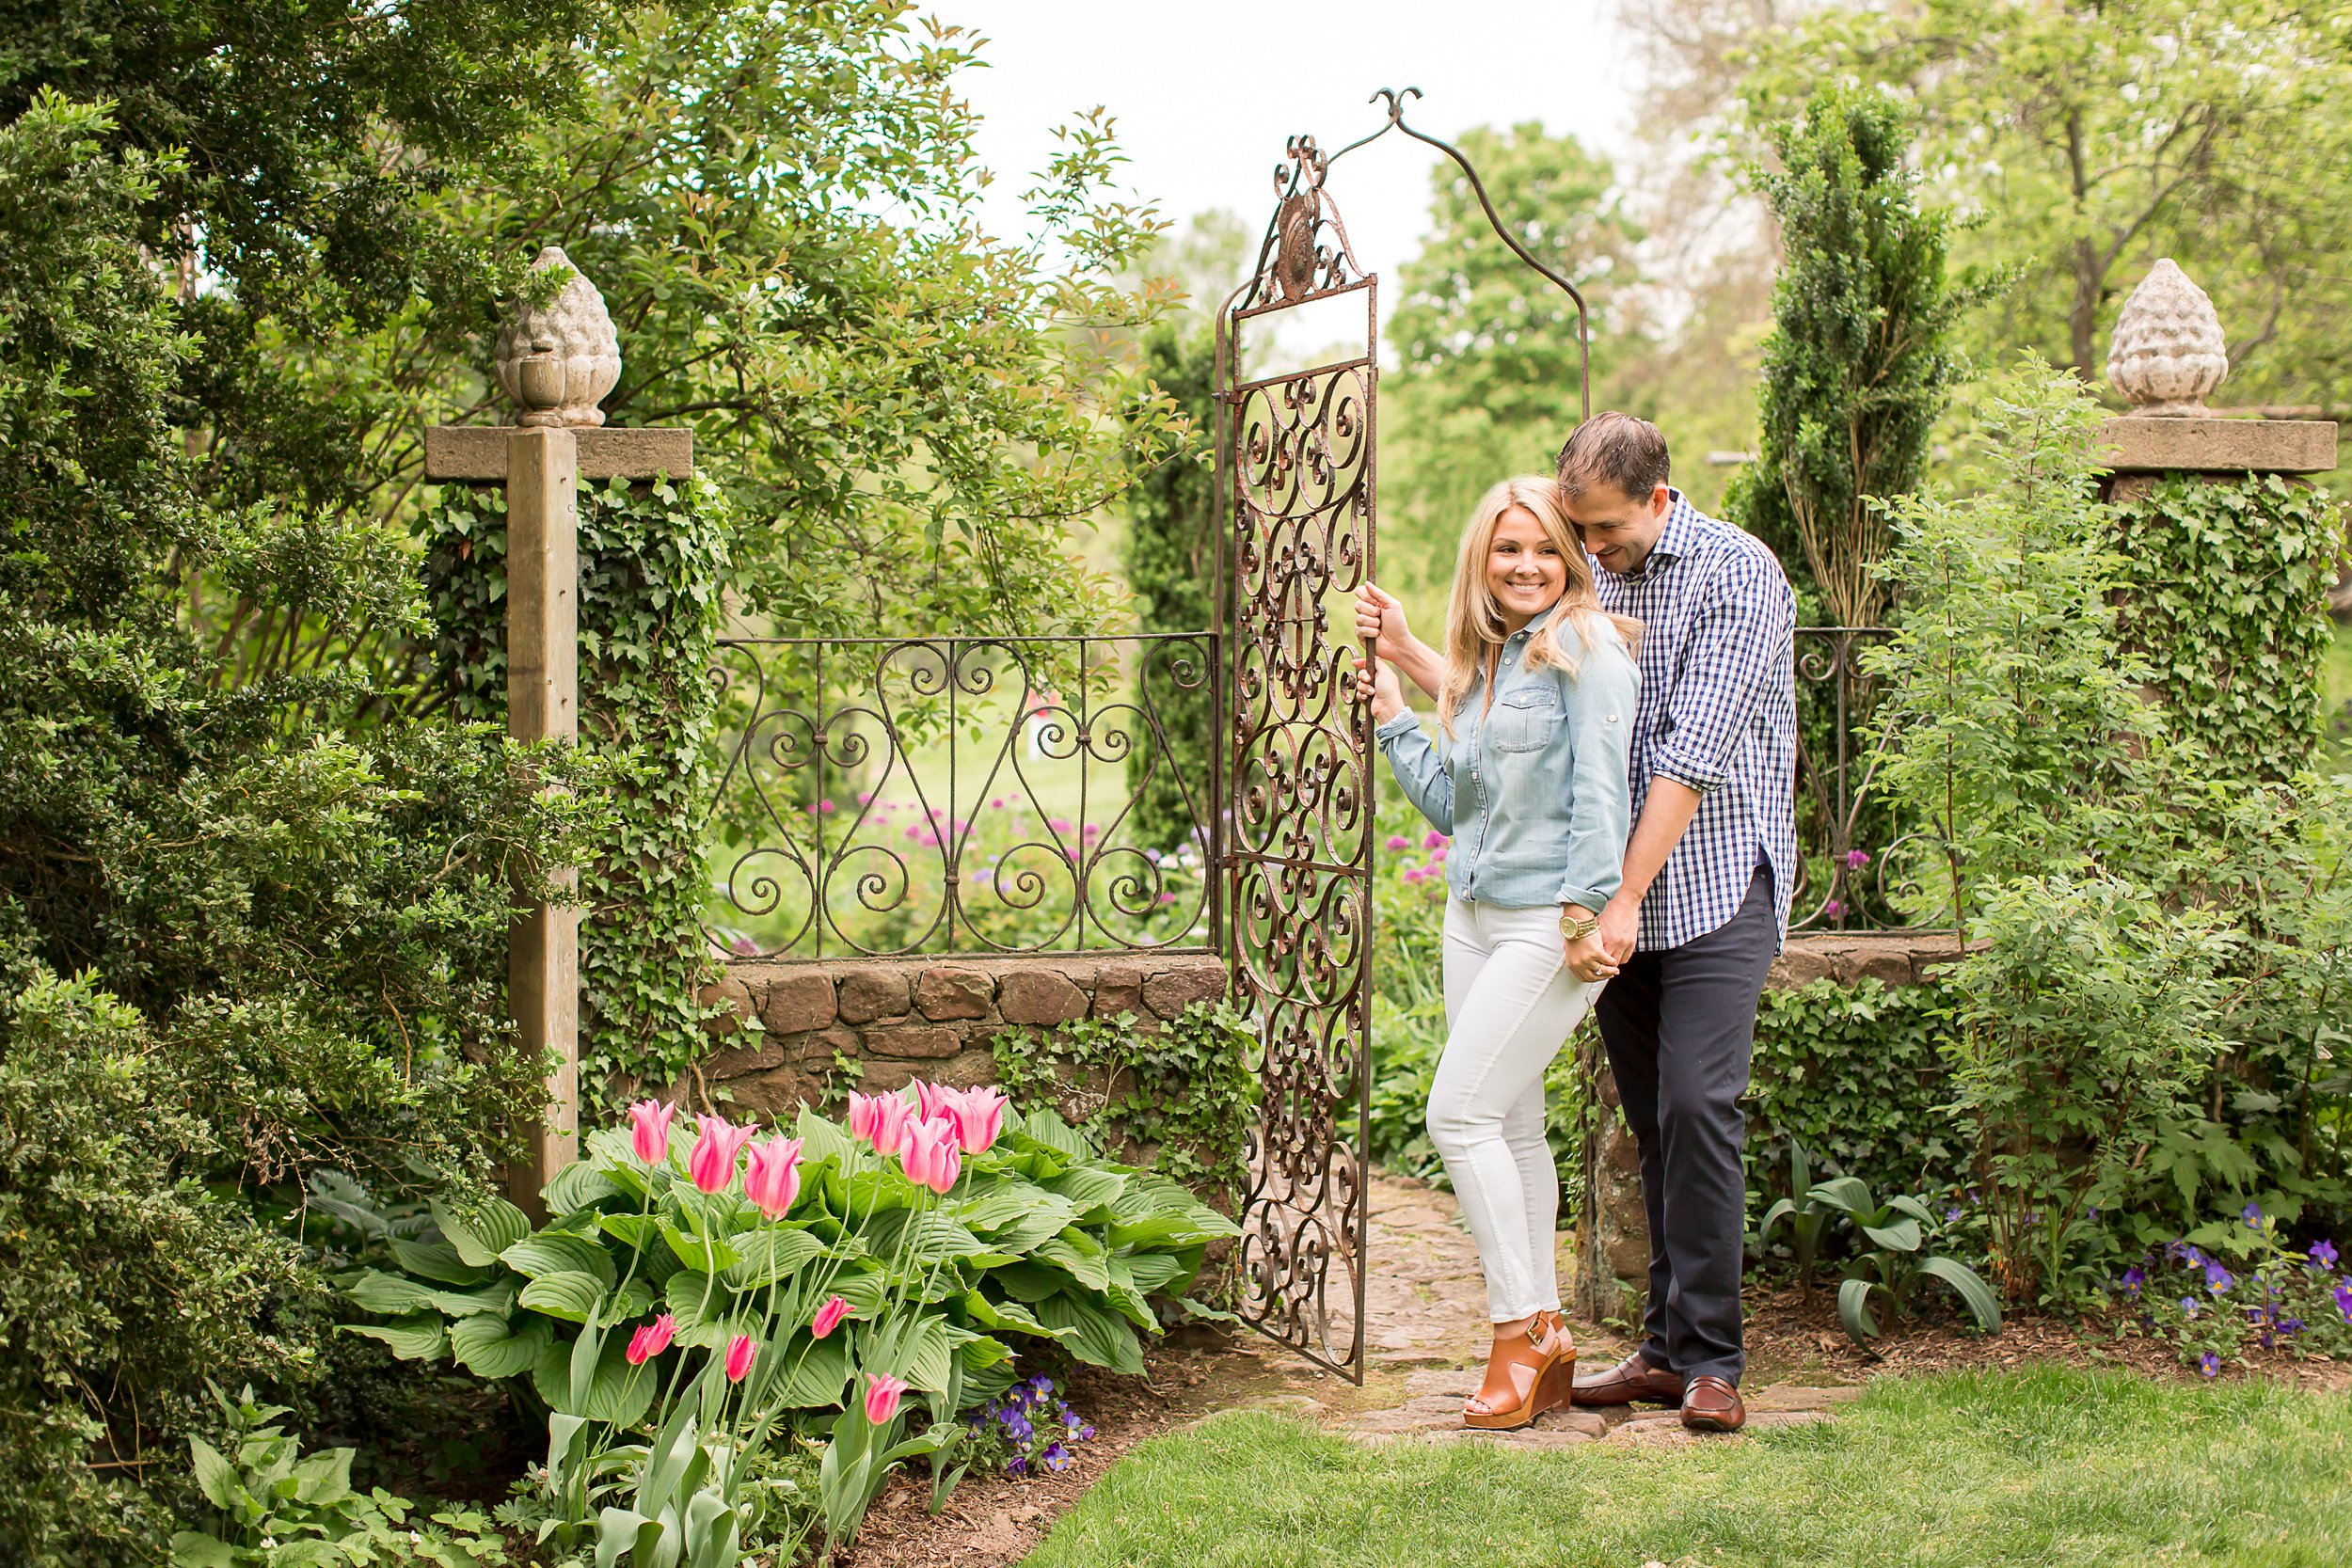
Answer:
(1666, 815)
(1379, 619)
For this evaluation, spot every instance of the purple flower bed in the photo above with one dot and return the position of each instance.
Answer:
(2281, 1296)
(1028, 1429)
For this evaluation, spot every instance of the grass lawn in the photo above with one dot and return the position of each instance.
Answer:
(2046, 1468)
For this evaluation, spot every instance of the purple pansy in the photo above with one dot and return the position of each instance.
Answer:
(2209, 1364)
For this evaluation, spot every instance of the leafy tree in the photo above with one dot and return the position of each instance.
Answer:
(1856, 368)
(1485, 348)
(233, 948)
(2092, 136)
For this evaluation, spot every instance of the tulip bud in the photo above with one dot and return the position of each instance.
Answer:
(651, 1339)
(980, 1118)
(774, 1180)
(712, 1163)
(829, 1317)
(883, 1392)
(739, 1354)
(649, 1132)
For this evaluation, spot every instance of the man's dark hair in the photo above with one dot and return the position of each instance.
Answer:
(1617, 450)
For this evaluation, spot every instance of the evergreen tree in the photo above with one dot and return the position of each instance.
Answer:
(1171, 569)
(1857, 369)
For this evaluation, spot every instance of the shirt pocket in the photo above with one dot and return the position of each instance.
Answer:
(1524, 720)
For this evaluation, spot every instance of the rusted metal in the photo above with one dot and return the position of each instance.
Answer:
(1297, 486)
(959, 795)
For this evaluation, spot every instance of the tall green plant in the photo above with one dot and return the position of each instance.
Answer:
(1172, 546)
(1857, 367)
(2019, 727)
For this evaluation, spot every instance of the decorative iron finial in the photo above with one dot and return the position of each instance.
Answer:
(560, 359)
(2167, 353)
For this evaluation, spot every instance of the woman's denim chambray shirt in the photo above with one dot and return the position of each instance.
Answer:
(1533, 788)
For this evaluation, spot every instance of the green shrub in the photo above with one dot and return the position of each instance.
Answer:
(239, 940)
(1856, 1074)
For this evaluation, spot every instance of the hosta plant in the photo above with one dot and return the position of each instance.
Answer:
(918, 1245)
(1887, 1264)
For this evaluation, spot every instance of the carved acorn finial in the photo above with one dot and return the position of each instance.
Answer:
(560, 359)
(2167, 353)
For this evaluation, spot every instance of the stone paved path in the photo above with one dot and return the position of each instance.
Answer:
(1425, 1301)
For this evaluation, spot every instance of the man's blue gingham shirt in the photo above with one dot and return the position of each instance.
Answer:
(1718, 712)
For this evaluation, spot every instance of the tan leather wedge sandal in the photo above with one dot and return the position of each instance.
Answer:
(1541, 1370)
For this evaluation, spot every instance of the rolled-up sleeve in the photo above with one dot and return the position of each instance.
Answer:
(1600, 813)
(1419, 770)
(1739, 641)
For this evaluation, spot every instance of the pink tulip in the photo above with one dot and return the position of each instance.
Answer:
(882, 1397)
(712, 1163)
(650, 1130)
(774, 1180)
(880, 1119)
(739, 1354)
(932, 1099)
(829, 1317)
(980, 1118)
(651, 1339)
(933, 1156)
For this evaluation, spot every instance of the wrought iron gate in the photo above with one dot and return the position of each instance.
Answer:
(1296, 467)
(1296, 461)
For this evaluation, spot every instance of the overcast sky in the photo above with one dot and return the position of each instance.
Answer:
(1205, 94)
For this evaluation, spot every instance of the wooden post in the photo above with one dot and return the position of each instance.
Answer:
(543, 704)
(558, 361)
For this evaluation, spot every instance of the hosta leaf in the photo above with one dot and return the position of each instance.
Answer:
(569, 1294)
(1124, 1295)
(1028, 1282)
(490, 1230)
(694, 1252)
(768, 1254)
(1076, 1253)
(1004, 1314)
(816, 1371)
(1101, 1338)
(822, 1139)
(418, 1338)
(978, 1352)
(497, 1298)
(1046, 1126)
(1149, 1272)
(620, 1393)
(438, 1261)
(493, 1348)
(560, 1252)
(577, 1186)
(1092, 1191)
(391, 1294)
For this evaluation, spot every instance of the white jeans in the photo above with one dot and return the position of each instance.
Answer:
(1510, 1003)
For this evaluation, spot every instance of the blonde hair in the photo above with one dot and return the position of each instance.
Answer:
(1473, 621)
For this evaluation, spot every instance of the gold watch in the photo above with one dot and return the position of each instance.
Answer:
(1577, 928)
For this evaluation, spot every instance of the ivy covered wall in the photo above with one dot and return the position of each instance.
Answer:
(2228, 578)
(653, 562)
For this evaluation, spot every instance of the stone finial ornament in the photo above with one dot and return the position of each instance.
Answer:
(2167, 352)
(559, 360)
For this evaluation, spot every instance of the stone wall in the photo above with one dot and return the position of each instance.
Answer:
(877, 1023)
(1611, 1273)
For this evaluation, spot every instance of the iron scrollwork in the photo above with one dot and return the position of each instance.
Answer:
(961, 794)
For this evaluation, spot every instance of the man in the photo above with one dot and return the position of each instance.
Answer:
(1704, 905)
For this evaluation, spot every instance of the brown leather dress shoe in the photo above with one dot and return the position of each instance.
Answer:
(1630, 1380)
(1710, 1403)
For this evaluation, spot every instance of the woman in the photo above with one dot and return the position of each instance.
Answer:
(1537, 706)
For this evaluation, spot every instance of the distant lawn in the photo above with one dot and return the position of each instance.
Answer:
(2046, 1467)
